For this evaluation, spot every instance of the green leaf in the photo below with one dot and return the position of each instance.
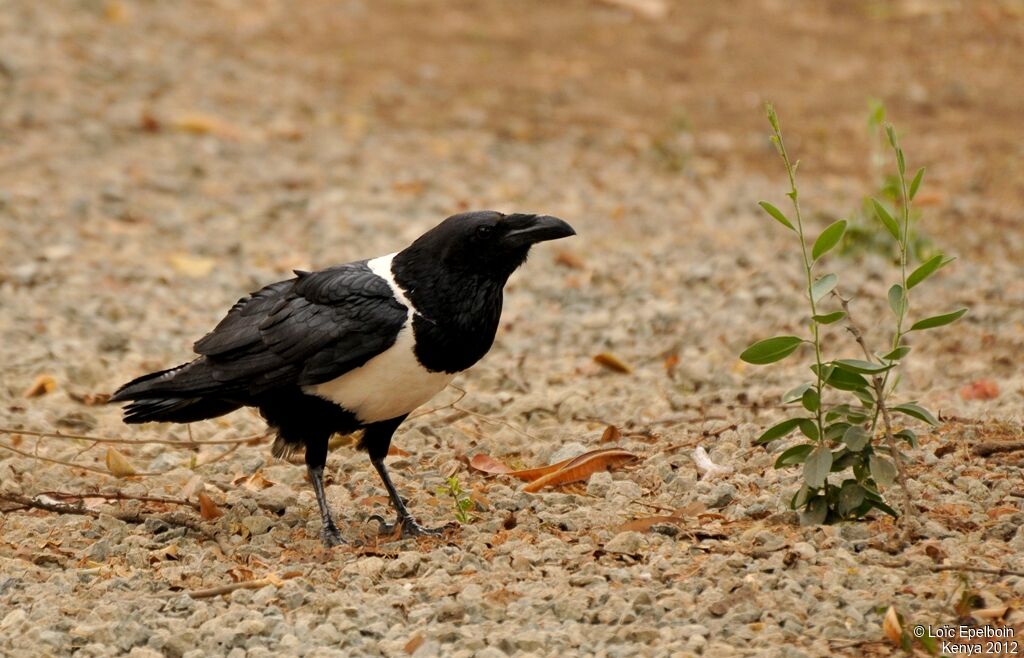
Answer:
(835, 431)
(851, 496)
(778, 430)
(861, 366)
(886, 219)
(829, 318)
(916, 183)
(882, 470)
(828, 239)
(777, 214)
(938, 320)
(795, 455)
(797, 393)
(927, 268)
(817, 466)
(896, 354)
(809, 429)
(842, 380)
(816, 511)
(800, 497)
(823, 286)
(810, 400)
(898, 300)
(770, 350)
(910, 436)
(856, 438)
(879, 505)
(917, 411)
(865, 396)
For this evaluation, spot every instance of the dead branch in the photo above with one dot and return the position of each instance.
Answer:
(992, 447)
(171, 442)
(55, 461)
(170, 518)
(967, 568)
(259, 583)
(119, 495)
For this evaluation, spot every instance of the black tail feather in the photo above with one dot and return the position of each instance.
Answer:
(183, 394)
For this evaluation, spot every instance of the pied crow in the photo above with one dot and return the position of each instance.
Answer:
(352, 347)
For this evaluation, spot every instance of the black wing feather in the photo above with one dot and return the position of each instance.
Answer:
(304, 331)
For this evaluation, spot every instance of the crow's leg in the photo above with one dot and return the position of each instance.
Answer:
(377, 439)
(316, 459)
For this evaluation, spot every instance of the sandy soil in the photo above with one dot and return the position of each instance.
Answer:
(157, 160)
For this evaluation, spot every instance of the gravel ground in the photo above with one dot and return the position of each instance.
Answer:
(133, 214)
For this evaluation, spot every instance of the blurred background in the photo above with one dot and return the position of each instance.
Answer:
(131, 112)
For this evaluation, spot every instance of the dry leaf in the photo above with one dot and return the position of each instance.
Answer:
(370, 501)
(651, 9)
(256, 482)
(990, 614)
(42, 385)
(198, 123)
(207, 508)
(192, 266)
(891, 626)
(996, 512)
(395, 451)
(612, 362)
(488, 464)
(118, 464)
(582, 468)
(90, 399)
(982, 389)
(164, 554)
(568, 259)
(645, 524)
(611, 434)
(414, 643)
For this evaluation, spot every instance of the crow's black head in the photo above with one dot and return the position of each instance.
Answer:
(487, 242)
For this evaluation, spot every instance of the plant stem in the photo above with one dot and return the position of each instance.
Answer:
(909, 511)
(794, 196)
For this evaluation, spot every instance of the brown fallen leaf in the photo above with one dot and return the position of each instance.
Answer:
(645, 524)
(370, 501)
(414, 643)
(199, 123)
(90, 399)
(208, 509)
(395, 451)
(996, 512)
(118, 464)
(611, 434)
(568, 259)
(254, 482)
(982, 389)
(164, 554)
(40, 386)
(582, 467)
(487, 464)
(891, 626)
(191, 266)
(612, 362)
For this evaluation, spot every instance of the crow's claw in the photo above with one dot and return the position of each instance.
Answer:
(330, 536)
(409, 527)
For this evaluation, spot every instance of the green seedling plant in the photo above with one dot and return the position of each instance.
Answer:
(851, 446)
(862, 235)
(463, 503)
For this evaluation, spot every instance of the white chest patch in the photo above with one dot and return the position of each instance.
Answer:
(391, 384)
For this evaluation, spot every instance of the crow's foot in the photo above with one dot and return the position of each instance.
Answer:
(409, 527)
(330, 536)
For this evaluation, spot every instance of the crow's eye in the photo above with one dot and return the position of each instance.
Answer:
(484, 232)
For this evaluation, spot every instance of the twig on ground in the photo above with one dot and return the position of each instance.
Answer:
(118, 495)
(93, 469)
(259, 583)
(991, 448)
(170, 518)
(902, 564)
(171, 442)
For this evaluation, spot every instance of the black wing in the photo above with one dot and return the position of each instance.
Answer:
(303, 331)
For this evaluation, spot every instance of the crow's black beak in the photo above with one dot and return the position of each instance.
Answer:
(530, 229)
